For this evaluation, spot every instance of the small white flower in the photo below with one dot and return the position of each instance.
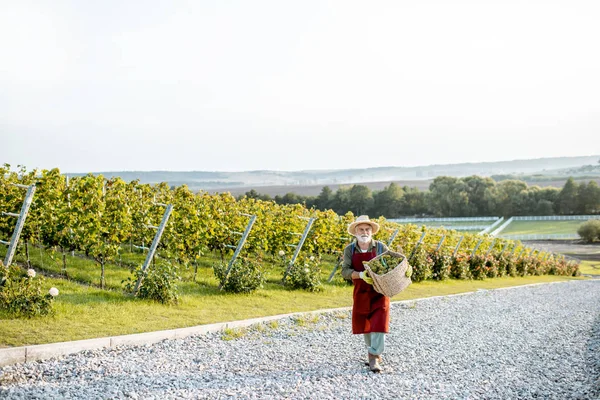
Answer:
(306, 270)
(31, 273)
(312, 258)
(281, 253)
(53, 292)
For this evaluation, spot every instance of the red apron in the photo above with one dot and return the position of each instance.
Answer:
(371, 310)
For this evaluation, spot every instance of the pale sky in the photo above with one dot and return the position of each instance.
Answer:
(110, 85)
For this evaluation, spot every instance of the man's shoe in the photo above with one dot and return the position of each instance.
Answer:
(374, 363)
(379, 359)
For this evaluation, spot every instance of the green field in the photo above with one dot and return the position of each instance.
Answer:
(541, 227)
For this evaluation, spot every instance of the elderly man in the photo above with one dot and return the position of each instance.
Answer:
(370, 310)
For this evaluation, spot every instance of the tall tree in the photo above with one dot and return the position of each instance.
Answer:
(341, 201)
(567, 198)
(361, 199)
(504, 198)
(448, 197)
(388, 202)
(544, 207)
(324, 198)
(588, 198)
(292, 198)
(252, 194)
(476, 187)
(414, 202)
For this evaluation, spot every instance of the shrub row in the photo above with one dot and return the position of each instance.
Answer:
(245, 276)
(439, 266)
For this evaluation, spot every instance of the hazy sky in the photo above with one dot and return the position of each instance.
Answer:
(289, 85)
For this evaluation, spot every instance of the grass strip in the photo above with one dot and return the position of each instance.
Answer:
(85, 312)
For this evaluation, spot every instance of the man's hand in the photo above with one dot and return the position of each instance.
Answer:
(366, 278)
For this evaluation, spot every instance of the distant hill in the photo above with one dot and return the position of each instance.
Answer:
(422, 184)
(314, 190)
(215, 181)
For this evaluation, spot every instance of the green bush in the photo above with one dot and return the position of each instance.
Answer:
(554, 267)
(305, 274)
(459, 268)
(522, 266)
(160, 283)
(421, 263)
(572, 269)
(491, 267)
(535, 266)
(563, 267)
(246, 275)
(477, 267)
(21, 293)
(507, 266)
(440, 266)
(589, 230)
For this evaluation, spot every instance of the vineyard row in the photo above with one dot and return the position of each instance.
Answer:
(96, 216)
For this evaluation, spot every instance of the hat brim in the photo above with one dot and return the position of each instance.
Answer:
(352, 226)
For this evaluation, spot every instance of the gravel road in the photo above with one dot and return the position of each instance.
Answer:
(540, 341)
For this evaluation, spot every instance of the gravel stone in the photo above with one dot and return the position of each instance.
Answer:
(531, 342)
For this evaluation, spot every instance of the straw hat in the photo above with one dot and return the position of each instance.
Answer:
(363, 219)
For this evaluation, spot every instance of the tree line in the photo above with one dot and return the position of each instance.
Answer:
(447, 196)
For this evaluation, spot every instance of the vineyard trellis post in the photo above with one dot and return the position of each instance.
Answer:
(440, 243)
(159, 231)
(491, 247)
(503, 249)
(458, 245)
(22, 216)
(414, 250)
(394, 234)
(533, 252)
(476, 247)
(299, 245)
(239, 246)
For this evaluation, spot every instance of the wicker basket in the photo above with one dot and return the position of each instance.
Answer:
(394, 281)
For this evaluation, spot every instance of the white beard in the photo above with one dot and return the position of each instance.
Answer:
(364, 239)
